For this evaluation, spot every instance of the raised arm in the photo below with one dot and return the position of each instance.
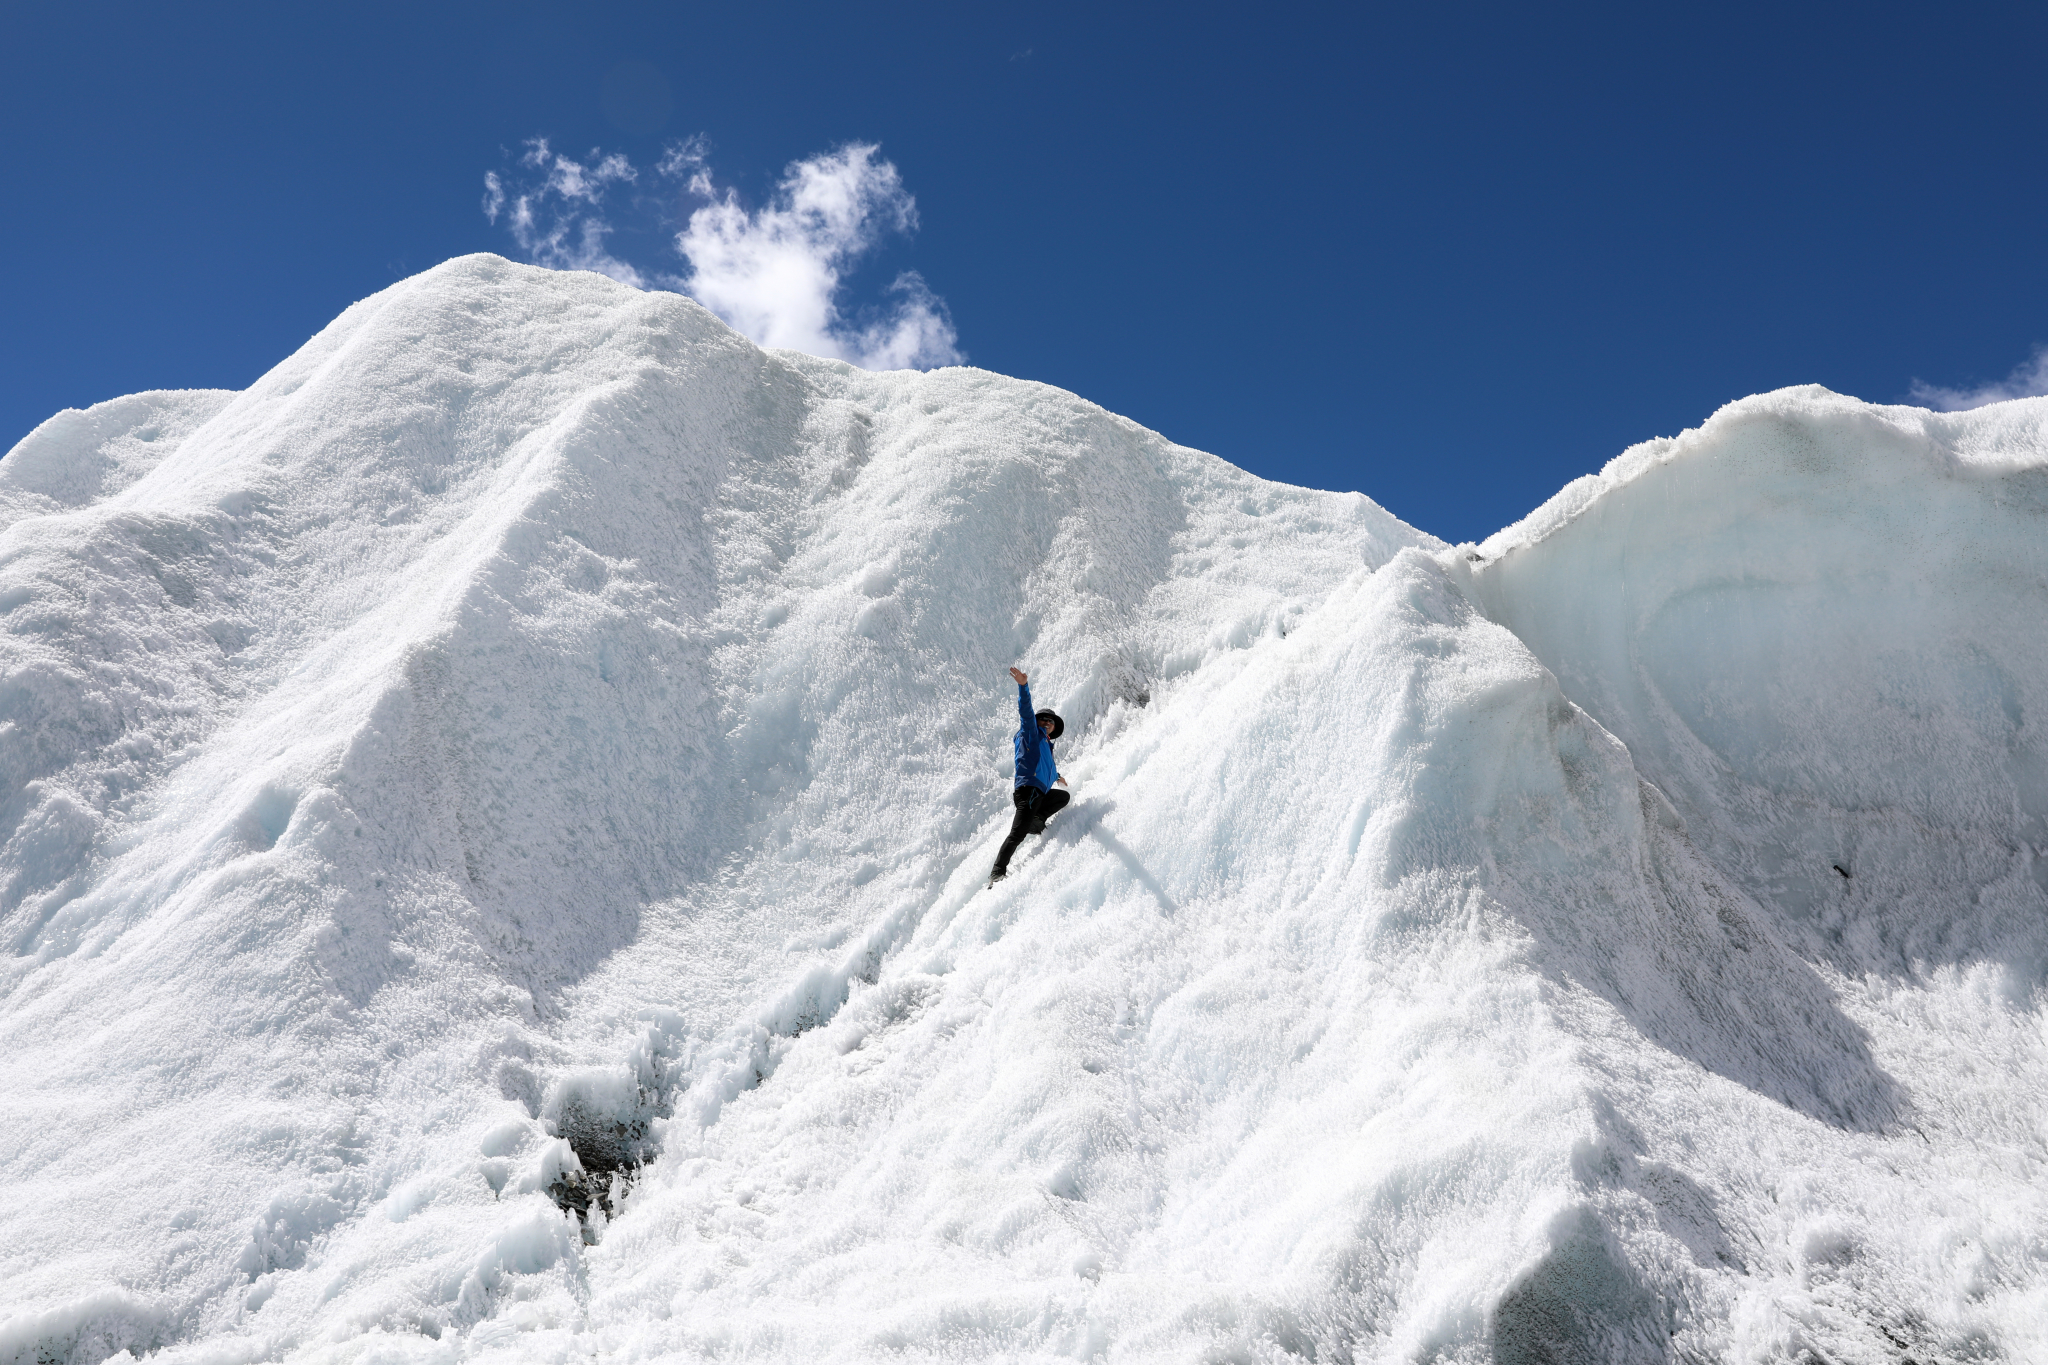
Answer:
(1025, 714)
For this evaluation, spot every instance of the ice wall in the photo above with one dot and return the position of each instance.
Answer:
(534, 748)
(1817, 626)
(1811, 623)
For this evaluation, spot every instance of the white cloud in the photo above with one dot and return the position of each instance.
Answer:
(688, 160)
(915, 333)
(776, 273)
(2029, 380)
(572, 179)
(558, 221)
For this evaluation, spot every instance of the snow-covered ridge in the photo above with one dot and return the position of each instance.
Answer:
(533, 732)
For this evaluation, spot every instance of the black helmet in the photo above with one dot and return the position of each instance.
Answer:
(1059, 727)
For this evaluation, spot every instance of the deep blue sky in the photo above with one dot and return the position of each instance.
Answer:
(1452, 256)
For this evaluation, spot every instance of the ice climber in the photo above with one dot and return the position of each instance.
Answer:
(1035, 797)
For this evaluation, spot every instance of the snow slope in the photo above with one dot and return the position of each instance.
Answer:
(534, 748)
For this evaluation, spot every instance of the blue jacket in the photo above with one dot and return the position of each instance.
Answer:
(1034, 751)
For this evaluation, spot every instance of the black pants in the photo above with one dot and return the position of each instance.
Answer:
(1034, 808)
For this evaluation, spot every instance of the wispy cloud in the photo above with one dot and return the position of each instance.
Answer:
(2029, 380)
(776, 272)
(556, 214)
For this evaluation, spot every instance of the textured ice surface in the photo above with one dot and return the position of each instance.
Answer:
(534, 740)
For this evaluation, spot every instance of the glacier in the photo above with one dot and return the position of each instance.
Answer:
(495, 818)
